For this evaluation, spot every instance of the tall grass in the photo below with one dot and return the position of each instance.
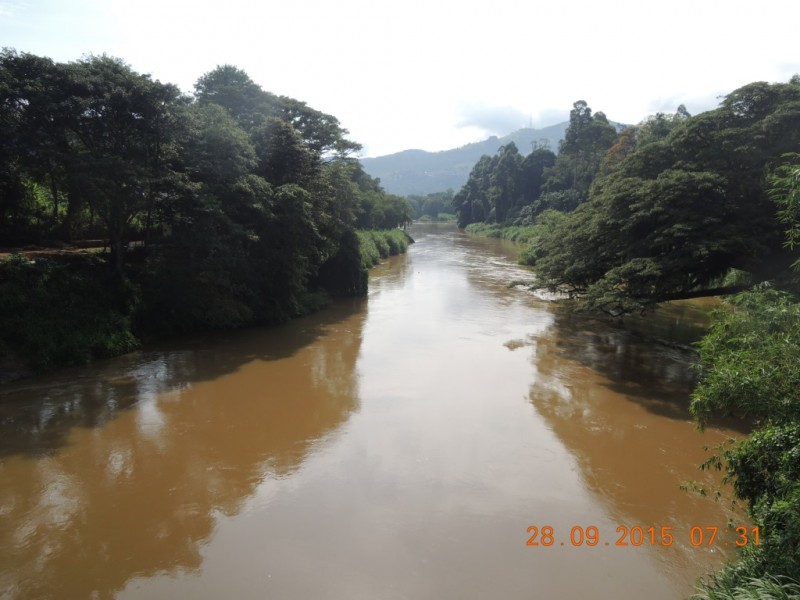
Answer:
(758, 588)
(515, 233)
(377, 244)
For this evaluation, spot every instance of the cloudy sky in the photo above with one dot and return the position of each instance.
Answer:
(436, 74)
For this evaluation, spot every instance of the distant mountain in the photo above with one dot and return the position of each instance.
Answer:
(420, 172)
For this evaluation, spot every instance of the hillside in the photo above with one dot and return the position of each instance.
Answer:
(421, 172)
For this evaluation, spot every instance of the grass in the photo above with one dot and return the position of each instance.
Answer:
(760, 588)
(440, 218)
(375, 245)
(515, 233)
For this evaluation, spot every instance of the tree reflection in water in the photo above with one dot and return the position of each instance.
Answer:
(119, 470)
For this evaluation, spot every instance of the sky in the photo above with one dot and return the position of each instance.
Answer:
(436, 74)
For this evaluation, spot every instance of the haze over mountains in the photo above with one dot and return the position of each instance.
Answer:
(420, 172)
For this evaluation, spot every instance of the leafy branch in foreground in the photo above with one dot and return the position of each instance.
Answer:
(749, 368)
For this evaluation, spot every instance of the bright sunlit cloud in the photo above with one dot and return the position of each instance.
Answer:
(435, 75)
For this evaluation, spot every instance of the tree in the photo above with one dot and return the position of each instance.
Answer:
(677, 213)
(431, 205)
(232, 89)
(41, 103)
(784, 190)
(657, 127)
(322, 132)
(217, 152)
(749, 369)
(624, 146)
(120, 158)
(504, 194)
(282, 155)
(472, 202)
(585, 143)
(246, 196)
(532, 173)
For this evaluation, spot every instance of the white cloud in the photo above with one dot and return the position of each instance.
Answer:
(413, 73)
(11, 8)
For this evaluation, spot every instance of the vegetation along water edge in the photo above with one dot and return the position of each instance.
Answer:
(228, 208)
(682, 207)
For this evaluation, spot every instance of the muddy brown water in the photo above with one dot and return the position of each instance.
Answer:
(399, 446)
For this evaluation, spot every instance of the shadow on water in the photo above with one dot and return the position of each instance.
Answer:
(620, 402)
(37, 415)
(121, 469)
(648, 360)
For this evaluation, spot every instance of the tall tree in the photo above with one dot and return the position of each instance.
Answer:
(472, 202)
(585, 142)
(233, 89)
(678, 213)
(122, 141)
(532, 173)
(282, 155)
(505, 181)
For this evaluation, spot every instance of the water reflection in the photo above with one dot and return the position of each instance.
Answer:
(645, 370)
(605, 393)
(124, 471)
(398, 447)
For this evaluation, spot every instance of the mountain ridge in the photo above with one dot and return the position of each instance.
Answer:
(421, 172)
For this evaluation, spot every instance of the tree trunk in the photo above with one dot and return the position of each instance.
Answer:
(73, 207)
(117, 246)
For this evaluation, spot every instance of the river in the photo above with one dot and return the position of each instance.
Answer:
(398, 446)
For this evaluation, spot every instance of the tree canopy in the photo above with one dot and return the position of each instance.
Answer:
(512, 189)
(675, 214)
(238, 198)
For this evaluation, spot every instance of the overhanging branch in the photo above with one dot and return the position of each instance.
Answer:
(688, 295)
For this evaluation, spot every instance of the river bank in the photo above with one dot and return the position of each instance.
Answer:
(69, 309)
(406, 441)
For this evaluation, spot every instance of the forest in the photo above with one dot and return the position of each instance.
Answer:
(156, 213)
(131, 211)
(681, 207)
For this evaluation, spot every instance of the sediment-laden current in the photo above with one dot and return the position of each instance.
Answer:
(404, 445)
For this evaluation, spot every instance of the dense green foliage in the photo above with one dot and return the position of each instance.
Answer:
(751, 354)
(585, 143)
(784, 190)
(417, 172)
(749, 368)
(744, 588)
(509, 189)
(515, 233)
(681, 207)
(430, 206)
(243, 204)
(375, 245)
(57, 313)
(503, 188)
(677, 212)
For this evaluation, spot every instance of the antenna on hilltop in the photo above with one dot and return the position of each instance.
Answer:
(530, 121)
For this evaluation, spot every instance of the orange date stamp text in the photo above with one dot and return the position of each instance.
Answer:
(637, 535)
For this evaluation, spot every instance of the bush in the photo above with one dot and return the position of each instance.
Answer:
(345, 274)
(515, 233)
(735, 587)
(369, 251)
(381, 243)
(58, 312)
(748, 365)
(377, 244)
